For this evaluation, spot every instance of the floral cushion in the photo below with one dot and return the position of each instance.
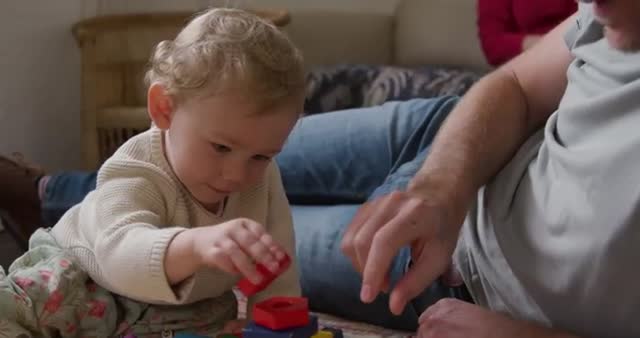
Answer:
(351, 86)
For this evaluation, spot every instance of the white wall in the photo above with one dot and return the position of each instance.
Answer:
(39, 80)
(40, 66)
(119, 6)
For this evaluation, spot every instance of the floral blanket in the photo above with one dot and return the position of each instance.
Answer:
(45, 294)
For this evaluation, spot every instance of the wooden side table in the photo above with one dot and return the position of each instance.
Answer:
(115, 50)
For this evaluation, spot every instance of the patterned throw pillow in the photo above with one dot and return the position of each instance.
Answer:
(351, 86)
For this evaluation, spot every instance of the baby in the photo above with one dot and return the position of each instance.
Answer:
(185, 209)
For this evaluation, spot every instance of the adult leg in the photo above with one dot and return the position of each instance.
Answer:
(327, 277)
(30, 199)
(63, 191)
(341, 157)
(19, 203)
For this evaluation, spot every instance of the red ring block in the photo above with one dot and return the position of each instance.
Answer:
(279, 313)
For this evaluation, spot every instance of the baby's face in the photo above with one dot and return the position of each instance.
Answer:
(223, 144)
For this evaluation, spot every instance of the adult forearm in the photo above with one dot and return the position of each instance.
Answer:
(526, 329)
(530, 40)
(535, 331)
(480, 136)
(472, 320)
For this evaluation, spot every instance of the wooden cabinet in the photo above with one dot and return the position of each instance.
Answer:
(115, 51)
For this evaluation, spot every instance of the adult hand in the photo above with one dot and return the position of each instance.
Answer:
(452, 318)
(427, 219)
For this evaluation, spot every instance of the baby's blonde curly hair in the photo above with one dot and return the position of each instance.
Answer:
(226, 49)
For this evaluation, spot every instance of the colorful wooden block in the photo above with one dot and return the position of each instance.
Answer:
(337, 333)
(254, 330)
(323, 334)
(191, 335)
(279, 313)
(249, 289)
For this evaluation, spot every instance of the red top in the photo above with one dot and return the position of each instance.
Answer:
(503, 24)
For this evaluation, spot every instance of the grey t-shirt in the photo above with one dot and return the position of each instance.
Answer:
(555, 237)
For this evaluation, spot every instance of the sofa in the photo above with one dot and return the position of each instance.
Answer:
(417, 33)
(425, 48)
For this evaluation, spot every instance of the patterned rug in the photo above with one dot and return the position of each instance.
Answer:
(358, 329)
(350, 329)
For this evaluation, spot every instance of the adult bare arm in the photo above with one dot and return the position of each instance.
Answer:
(480, 136)
(452, 318)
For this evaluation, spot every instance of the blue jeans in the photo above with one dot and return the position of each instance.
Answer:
(331, 164)
(63, 191)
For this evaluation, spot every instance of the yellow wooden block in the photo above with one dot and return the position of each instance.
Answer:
(323, 334)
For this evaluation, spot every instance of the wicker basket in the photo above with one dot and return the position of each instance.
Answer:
(115, 50)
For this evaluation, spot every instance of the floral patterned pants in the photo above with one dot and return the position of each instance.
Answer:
(45, 294)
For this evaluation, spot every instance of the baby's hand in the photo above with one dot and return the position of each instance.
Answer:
(236, 246)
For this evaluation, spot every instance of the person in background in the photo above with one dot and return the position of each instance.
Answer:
(509, 27)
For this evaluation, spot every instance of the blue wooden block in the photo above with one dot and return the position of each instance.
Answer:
(254, 330)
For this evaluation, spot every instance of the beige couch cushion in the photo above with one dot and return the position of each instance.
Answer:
(438, 32)
(333, 37)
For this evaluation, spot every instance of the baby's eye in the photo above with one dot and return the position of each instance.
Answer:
(261, 158)
(221, 148)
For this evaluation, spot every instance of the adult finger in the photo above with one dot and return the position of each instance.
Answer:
(426, 269)
(387, 209)
(347, 245)
(385, 246)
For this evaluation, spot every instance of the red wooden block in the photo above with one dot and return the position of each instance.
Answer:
(249, 289)
(280, 313)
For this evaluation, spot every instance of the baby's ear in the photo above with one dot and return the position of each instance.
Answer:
(160, 106)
